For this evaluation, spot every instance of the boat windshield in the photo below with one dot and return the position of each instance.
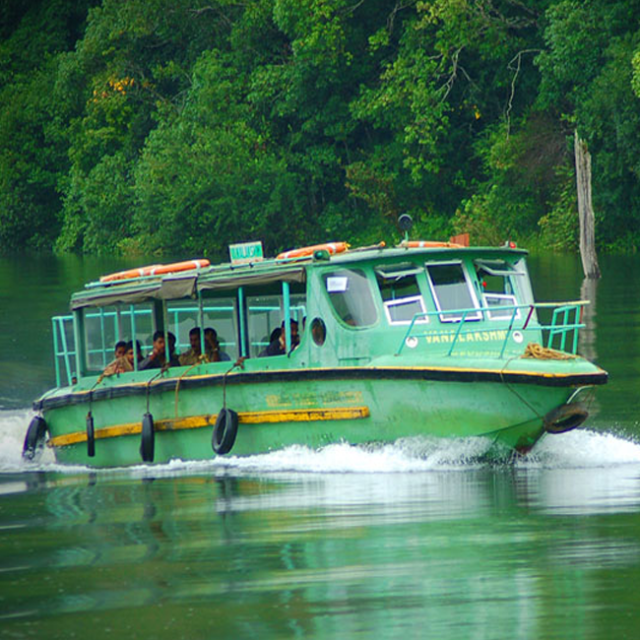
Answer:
(350, 293)
(452, 291)
(496, 278)
(400, 293)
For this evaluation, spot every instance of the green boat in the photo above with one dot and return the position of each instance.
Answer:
(319, 345)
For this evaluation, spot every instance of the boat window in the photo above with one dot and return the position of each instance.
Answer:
(397, 271)
(318, 331)
(182, 316)
(401, 294)
(104, 326)
(497, 268)
(220, 314)
(452, 292)
(217, 313)
(350, 294)
(501, 307)
(265, 317)
(498, 292)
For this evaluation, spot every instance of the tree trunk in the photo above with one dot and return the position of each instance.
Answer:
(587, 335)
(585, 209)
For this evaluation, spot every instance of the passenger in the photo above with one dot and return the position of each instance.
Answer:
(173, 358)
(350, 320)
(157, 358)
(121, 364)
(213, 352)
(277, 346)
(194, 354)
(129, 352)
(121, 348)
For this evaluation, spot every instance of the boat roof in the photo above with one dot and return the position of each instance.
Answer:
(229, 276)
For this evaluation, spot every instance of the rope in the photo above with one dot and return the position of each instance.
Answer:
(515, 393)
(201, 359)
(97, 382)
(164, 368)
(238, 363)
(534, 350)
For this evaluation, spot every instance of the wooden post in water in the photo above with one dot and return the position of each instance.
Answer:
(585, 209)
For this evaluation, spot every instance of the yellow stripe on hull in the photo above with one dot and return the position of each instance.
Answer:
(197, 422)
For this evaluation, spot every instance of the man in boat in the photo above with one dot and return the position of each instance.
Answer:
(212, 347)
(277, 346)
(157, 358)
(194, 354)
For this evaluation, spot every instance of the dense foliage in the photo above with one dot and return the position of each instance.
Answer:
(183, 125)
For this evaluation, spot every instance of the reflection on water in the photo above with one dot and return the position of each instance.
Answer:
(253, 546)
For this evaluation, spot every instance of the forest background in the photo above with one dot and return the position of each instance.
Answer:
(180, 126)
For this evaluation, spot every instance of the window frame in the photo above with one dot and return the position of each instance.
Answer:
(477, 315)
(396, 302)
(374, 301)
(492, 310)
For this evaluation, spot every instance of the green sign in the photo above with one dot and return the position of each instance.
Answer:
(246, 252)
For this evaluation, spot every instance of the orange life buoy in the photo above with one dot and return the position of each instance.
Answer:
(303, 252)
(428, 244)
(156, 270)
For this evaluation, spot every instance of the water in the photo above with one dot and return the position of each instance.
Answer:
(419, 539)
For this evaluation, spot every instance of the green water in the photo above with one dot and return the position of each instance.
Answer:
(415, 540)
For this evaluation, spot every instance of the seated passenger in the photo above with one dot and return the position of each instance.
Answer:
(157, 358)
(277, 346)
(213, 352)
(194, 354)
(121, 348)
(173, 358)
(122, 363)
(130, 355)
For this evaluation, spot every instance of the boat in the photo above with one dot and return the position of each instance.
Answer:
(373, 345)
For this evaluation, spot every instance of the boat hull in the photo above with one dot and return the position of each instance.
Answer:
(311, 409)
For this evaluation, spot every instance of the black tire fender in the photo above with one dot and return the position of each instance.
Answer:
(91, 436)
(225, 431)
(34, 439)
(147, 439)
(565, 418)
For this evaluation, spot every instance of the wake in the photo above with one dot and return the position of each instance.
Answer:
(579, 449)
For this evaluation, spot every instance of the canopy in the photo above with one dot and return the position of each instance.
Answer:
(176, 286)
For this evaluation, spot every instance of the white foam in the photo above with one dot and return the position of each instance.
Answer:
(13, 427)
(574, 450)
(582, 449)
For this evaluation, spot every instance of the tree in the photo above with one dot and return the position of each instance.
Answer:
(586, 80)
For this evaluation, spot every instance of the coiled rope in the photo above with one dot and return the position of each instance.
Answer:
(534, 350)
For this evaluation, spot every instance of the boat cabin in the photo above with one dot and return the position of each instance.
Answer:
(355, 308)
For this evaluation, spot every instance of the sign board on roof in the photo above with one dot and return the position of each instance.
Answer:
(246, 252)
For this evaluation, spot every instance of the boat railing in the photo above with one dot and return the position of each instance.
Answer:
(560, 333)
(64, 357)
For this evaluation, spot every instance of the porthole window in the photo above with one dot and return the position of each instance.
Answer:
(318, 331)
